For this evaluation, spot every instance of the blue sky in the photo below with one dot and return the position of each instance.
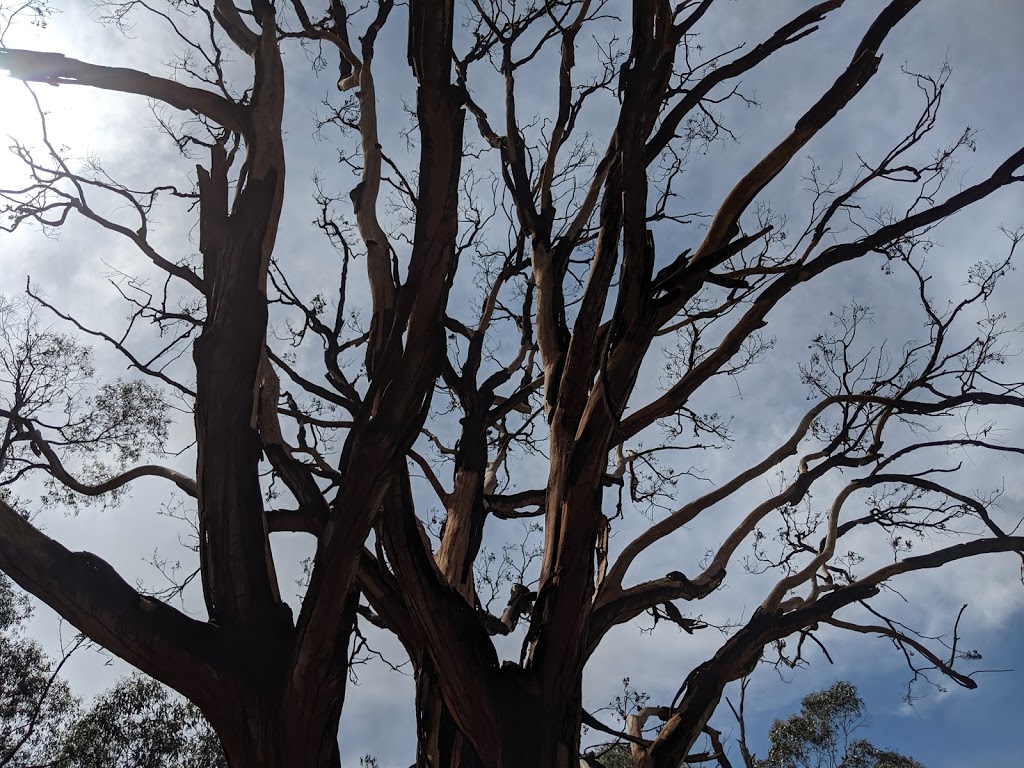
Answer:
(979, 40)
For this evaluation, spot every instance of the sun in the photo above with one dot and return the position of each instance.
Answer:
(21, 124)
(23, 25)
(18, 116)
(30, 113)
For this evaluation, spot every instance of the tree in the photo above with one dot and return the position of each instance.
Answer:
(590, 273)
(821, 735)
(139, 724)
(136, 724)
(34, 702)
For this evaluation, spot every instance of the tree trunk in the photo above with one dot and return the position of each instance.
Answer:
(261, 734)
(543, 736)
(560, 745)
(532, 734)
(439, 742)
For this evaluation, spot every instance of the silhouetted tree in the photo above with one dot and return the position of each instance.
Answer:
(139, 724)
(820, 735)
(522, 403)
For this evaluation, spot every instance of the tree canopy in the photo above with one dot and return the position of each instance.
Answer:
(821, 735)
(137, 723)
(490, 359)
(34, 703)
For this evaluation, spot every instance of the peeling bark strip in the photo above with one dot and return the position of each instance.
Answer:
(584, 276)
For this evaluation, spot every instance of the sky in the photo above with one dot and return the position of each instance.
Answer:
(980, 41)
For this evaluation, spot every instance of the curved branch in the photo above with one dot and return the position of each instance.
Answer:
(682, 516)
(294, 473)
(57, 469)
(862, 67)
(314, 389)
(737, 658)
(230, 20)
(901, 638)
(942, 556)
(381, 591)
(140, 241)
(755, 318)
(800, 27)
(431, 476)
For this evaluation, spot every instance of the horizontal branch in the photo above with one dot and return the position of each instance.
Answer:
(294, 521)
(510, 506)
(941, 557)
(57, 469)
(58, 69)
(630, 603)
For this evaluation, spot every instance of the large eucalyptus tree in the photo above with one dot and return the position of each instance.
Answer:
(591, 274)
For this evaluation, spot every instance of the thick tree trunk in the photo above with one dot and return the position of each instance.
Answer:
(531, 734)
(559, 746)
(261, 734)
(542, 736)
(439, 742)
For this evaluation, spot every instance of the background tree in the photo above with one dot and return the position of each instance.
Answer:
(139, 724)
(136, 724)
(566, 215)
(34, 703)
(821, 734)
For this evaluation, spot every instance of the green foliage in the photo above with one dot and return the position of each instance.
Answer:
(616, 756)
(140, 724)
(14, 607)
(34, 704)
(128, 418)
(820, 735)
(38, 367)
(49, 396)
(136, 724)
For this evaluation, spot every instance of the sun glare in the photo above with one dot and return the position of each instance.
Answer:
(18, 115)
(19, 120)
(22, 25)
(69, 116)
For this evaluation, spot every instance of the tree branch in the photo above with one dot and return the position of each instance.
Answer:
(57, 69)
(185, 483)
(86, 590)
